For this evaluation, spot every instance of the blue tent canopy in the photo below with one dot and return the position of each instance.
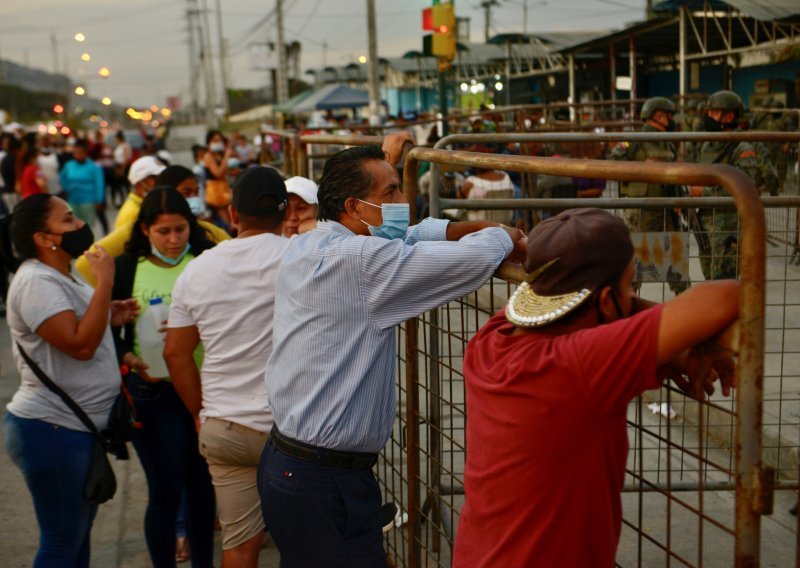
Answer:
(333, 97)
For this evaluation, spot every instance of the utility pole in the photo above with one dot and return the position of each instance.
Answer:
(282, 91)
(191, 15)
(372, 67)
(487, 6)
(54, 45)
(524, 17)
(208, 68)
(223, 63)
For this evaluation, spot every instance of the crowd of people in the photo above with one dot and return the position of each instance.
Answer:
(274, 390)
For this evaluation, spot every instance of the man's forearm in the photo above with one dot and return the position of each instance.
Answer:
(458, 229)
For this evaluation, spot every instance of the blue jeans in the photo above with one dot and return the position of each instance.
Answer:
(320, 516)
(168, 449)
(54, 462)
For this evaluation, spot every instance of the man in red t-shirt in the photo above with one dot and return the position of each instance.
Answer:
(548, 383)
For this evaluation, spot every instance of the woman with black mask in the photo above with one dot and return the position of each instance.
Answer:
(63, 326)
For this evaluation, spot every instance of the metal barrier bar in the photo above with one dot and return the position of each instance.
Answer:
(302, 147)
(288, 142)
(785, 224)
(753, 492)
(738, 136)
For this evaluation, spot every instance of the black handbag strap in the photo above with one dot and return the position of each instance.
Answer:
(48, 382)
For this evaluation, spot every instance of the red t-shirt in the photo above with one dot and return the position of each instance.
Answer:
(29, 185)
(547, 441)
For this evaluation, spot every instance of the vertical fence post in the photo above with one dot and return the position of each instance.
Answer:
(750, 476)
(302, 159)
(412, 427)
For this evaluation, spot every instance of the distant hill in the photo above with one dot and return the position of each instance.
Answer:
(34, 80)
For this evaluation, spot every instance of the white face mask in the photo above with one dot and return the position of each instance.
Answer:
(196, 205)
(218, 147)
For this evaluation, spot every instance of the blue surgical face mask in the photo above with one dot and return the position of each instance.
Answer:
(396, 218)
(171, 261)
(196, 205)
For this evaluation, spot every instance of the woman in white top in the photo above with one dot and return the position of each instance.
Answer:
(488, 184)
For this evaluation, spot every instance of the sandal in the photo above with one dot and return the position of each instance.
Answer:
(181, 549)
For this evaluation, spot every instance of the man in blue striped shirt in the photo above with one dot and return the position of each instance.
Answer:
(341, 290)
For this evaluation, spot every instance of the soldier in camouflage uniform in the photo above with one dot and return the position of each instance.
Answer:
(760, 120)
(719, 236)
(693, 148)
(766, 174)
(688, 116)
(779, 122)
(657, 114)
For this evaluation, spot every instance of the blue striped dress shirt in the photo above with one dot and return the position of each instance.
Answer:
(330, 378)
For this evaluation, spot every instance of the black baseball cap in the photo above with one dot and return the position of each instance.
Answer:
(259, 191)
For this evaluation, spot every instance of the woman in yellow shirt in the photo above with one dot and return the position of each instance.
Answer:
(185, 182)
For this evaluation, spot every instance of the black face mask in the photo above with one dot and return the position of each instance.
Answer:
(76, 242)
(711, 125)
(670, 125)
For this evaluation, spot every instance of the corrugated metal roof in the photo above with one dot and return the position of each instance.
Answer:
(767, 9)
(759, 9)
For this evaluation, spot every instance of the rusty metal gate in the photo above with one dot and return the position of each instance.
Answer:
(684, 472)
(684, 468)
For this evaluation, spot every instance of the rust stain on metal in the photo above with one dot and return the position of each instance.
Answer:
(677, 252)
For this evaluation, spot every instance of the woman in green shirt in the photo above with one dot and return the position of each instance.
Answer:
(165, 237)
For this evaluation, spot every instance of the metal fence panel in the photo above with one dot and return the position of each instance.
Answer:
(672, 468)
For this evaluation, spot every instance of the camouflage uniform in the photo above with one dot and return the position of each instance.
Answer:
(719, 249)
(693, 148)
(649, 220)
(779, 122)
(765, 176)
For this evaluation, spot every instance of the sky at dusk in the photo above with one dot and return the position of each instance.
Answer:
(144, 42)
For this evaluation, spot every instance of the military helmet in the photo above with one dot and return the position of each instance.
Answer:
(726, 101)
(656, 103)
(691, 104)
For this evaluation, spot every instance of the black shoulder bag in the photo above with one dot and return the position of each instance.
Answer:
(101, 483)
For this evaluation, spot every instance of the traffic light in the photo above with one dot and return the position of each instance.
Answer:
(441, 20)
(443, 44)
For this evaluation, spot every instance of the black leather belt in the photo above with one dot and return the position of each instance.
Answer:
(323, 456)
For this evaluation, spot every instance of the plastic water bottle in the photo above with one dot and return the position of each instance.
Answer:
(151, 340)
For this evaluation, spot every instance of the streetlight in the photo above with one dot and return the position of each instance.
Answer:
(80, 90)
(85, 56)
(80, 37)
(106, 101)
(104, 72)
(362, 59)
